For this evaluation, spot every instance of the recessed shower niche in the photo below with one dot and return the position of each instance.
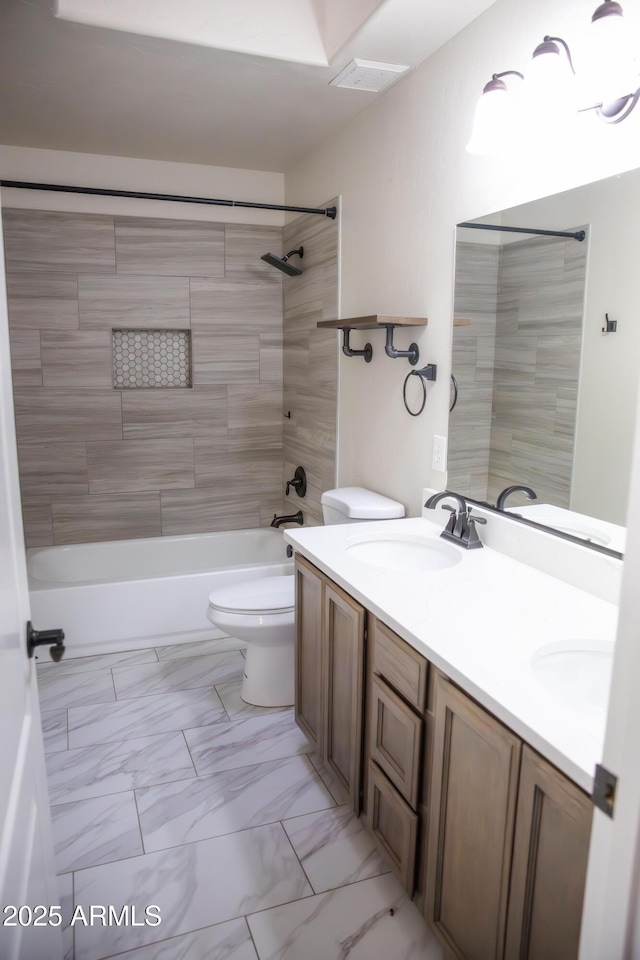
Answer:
(151, 358)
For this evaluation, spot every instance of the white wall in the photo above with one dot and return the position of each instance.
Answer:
(149, 176)
(406, 179)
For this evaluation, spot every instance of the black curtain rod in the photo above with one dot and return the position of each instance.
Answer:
(139, 195)
(580, 235)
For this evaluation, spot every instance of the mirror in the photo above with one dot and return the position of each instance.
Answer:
(546, 397)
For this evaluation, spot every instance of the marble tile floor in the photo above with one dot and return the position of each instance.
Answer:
(168, 790)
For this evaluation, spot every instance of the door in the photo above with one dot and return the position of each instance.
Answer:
(549, 868)
(308, 692)
(473, 801)
(27, 876)
(343, 675)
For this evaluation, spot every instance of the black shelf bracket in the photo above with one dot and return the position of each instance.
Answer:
(367, 353)
(412, 354)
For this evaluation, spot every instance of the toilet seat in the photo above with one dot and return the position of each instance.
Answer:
(264, 596)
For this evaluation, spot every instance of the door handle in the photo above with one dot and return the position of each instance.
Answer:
(37, 637)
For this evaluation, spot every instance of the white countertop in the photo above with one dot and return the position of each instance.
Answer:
(480, 622)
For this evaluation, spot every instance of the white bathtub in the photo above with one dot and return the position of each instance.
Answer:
(125, 594)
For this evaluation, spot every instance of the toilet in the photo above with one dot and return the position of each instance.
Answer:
(261, 612)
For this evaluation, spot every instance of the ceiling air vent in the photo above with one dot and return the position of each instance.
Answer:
(368, 75)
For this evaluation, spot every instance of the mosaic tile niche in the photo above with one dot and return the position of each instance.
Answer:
(151, 358)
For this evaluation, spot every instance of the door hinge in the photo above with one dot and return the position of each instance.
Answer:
(604, 790)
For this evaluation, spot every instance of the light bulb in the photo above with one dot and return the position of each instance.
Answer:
(612, 73)
(549, 89)
(492, 121)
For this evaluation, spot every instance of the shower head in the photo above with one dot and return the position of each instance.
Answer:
(282, 264)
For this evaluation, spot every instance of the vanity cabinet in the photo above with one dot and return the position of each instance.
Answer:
(489, 839)
(508, 841)
(329, 677)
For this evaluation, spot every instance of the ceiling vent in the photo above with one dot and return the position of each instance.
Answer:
(368, 75)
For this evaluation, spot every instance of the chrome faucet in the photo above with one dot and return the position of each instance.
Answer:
(516, 488)
(461, 528)
(292, 518)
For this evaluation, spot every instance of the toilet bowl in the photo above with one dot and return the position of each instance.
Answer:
(261, 612)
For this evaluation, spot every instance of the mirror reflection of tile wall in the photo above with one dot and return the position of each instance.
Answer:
(517, 366)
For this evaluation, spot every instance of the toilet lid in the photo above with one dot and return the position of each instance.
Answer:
(265, 595)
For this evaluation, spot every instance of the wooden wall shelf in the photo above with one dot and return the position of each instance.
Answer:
(376, 322)
(372, 323)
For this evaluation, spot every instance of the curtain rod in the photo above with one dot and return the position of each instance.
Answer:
(580, 235)
(139, 195)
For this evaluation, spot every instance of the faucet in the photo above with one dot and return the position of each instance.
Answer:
(516, 488)
(292, 518)
(461, 528)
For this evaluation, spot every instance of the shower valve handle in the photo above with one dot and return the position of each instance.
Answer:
(37, 637)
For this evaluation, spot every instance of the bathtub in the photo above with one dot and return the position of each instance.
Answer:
(130, 594)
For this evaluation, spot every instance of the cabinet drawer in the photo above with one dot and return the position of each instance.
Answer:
(394, 825)
(400, 665)
(395, 740)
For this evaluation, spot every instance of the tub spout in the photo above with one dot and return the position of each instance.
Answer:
(292, 518)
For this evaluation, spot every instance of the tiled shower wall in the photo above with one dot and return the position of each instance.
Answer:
(98, 463)
(311, 361)
(476, 301)
(523, 389)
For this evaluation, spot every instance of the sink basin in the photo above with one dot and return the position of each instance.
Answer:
(404, 553)
(578, 672)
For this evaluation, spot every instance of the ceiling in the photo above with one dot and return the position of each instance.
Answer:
(250, 93)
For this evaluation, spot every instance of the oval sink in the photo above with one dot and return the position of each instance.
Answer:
(578, 672)
(404, 553)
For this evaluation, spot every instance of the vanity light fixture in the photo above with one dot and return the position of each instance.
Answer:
(547, 91)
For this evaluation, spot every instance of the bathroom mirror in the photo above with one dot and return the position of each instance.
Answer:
(546, 396)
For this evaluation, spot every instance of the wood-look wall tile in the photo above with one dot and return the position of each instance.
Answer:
(76, 414)
(182, 248)
(78, 358)
(38, 523)
(272, 502)
(153, 414)
(566, 411)
(323, 354)
(225, 359)
(26, 362)
(28, 313)
(265, 436)
(231, 306)
(254, 406)
(515, 358)
(224, 507)
(270, 357)
(526, 261)
(244, 245)
(133, 301)
(296, 364)
(135, 465)
(51, 469)
(42, 240)
(42, 286)
(220, 459)
(558, 358)
(121, 517)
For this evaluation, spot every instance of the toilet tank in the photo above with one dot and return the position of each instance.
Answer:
(355, 504)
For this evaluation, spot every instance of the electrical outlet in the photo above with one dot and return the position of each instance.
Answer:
(439, 455)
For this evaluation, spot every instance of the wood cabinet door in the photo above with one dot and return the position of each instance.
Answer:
(396, 740)
(473, 799)
(343, 676)
(394, 826)
(551, 847)
(308, 651)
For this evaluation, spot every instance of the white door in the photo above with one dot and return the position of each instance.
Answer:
(27, 876)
